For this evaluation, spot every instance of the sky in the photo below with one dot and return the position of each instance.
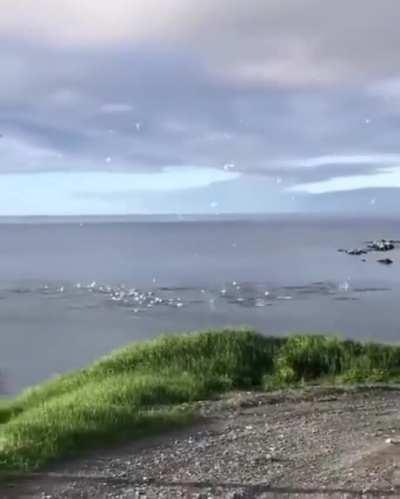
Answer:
(181, 106)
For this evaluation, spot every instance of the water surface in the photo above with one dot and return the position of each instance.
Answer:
(70, 292)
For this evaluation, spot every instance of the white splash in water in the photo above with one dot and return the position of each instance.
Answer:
(345, 286)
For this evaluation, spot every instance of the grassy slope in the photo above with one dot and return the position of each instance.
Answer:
(148, 386)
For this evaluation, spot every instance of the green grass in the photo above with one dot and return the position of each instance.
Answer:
(147, 387)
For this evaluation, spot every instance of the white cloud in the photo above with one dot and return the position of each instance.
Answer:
(74, 22)
(379, 159)
(389, 178)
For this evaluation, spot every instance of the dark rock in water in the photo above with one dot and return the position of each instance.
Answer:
(377, 245)
(357, 252)
(385, 261)
(381, 245)
(363, 259)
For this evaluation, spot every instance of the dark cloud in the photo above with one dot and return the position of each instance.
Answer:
(176, 112)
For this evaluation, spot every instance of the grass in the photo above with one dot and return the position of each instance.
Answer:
(147, 387)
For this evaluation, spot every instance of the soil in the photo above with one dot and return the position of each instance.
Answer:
(316, 442)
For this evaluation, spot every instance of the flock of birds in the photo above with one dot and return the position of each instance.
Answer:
(132, 297)
(136, 300)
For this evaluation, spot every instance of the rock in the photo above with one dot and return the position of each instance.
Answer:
(381, 245)
(357, 251)
(392, 441)
(377, 245)
(385, 261)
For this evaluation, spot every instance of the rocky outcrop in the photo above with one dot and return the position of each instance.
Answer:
(385, 261)
(357, 252)
(379, 245)
(382, 245)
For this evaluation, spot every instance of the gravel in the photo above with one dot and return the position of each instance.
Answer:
(317, 442)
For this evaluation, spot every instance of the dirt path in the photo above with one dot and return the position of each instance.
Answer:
(314, 443)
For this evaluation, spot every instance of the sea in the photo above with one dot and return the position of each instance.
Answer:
(73, 289)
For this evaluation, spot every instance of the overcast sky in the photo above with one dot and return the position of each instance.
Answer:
(188, 106)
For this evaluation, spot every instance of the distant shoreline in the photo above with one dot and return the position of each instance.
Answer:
(190, 217)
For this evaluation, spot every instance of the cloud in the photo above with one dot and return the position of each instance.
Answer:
(78, 22)
(388, 178)
(147, 109)
(307, 41)
(66, 192)
(337, 159)
(116, 107)
(305, 92)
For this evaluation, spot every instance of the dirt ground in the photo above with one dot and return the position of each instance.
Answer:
(319, 442)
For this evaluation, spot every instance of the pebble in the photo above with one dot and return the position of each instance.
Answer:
(392, 441)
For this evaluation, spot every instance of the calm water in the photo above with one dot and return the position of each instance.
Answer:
(70, 292)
